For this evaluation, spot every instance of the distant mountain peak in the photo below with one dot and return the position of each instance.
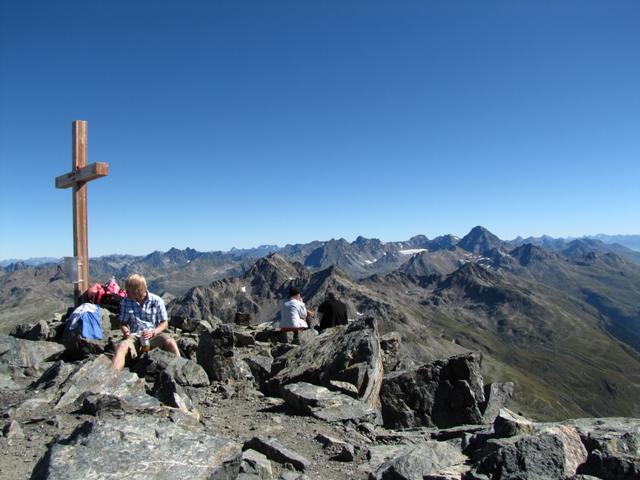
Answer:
(273, 261)
(480, 241)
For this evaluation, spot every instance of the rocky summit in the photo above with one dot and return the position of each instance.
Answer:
(248, 402)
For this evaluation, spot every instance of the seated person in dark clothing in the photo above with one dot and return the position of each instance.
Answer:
(333, 311)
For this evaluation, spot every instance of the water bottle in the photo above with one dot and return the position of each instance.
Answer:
(145, 344)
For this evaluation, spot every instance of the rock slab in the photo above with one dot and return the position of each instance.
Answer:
(140, 447)
(325, 404)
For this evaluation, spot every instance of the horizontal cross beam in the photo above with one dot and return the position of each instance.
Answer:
(84, 174)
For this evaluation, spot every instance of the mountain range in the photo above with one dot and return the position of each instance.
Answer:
(631, 242)
(560, 318)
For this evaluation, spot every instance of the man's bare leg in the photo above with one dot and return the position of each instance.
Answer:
(120, 356)
(170, 345)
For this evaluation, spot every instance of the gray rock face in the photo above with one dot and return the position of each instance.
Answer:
(325, 404)
(185, 371)
(349, 353)
(15, 352)
(443, 393)
(140, 447)
(215, 353)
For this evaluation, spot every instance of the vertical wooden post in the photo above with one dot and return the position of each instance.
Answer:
(80, 174)
(80, 228)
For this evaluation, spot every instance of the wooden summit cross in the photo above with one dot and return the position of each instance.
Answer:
(80, 174)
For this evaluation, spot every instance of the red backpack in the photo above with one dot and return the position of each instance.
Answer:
(95, 293)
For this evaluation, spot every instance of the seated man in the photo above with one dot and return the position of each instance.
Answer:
(333, 311)
(143, 317)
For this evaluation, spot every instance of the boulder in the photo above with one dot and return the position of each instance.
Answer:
(613, 446)
(379, 454)
(98, 404)
(168, 391)
(15, 352)
(255, 463)
(348, 353)
(188, 346)
(340, 450)
(443, 393)
(260, 366)
(56, 329)
(97, 377)
(574, 451)
(325, 404)
(21, 330)
(27, 331)
(427, 460)
(496, 396)
(186, 372)
(274, 450)
(551, 453)
(215, 354)
(205, 326)
(184, 322)
(191, 322)
(344, 387)
(140, 447)
(243, 339)
(508, 424)
(395, 356)
(54, 375)
(345, 453)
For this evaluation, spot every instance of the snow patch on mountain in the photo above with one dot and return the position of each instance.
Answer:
(412, 251)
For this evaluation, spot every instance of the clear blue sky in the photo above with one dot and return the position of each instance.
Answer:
(239, 123)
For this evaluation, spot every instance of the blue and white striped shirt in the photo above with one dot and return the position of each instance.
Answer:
(146, 316)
